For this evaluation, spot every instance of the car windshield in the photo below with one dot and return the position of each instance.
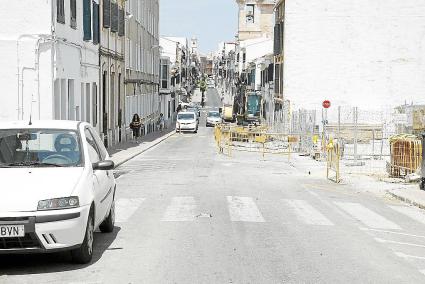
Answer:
(185, 116)
(214, 114)
(39, 148)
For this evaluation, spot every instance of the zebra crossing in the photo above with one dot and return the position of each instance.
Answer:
(380, 224)
(307, 214)
(245, 209)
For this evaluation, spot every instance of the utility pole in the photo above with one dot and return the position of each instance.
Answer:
(355, 121)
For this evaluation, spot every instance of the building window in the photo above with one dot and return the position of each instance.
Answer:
(73, 8)
(277, 79)
(121, 31)
(60, 16)
(250, 17)
(87, 19)
(277, 39)
(94, 104)
(106, 13)
(114, 17)
(96, 23)
(164, 75)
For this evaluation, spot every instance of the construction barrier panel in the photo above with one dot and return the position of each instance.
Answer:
(252, 139)
(333, 158)
(406, 155)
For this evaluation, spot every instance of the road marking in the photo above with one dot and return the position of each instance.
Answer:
(367, 216)
(243, 209)
(392, 232)
(329, 204)
(181, 209)
(379, 240)
(125, 208)
(422, 271)
(403, 255)
(411, 212)
(306, 213)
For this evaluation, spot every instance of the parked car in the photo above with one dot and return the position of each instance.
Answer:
(213, 118)
(196, 111)
(57, 188)
(187, 121)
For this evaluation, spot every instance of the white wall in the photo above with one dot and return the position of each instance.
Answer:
(24, 17)
(142, 59)
(365, 53)
(254, 48)
(64, 59)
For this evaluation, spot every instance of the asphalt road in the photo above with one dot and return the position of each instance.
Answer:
(189, 215)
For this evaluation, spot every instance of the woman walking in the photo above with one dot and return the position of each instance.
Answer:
(135, 125)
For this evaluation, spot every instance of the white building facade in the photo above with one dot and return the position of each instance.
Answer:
(178, 51)
(365, 53)
(166, 96)
(112, 71)
(142, 57)
(50, 61)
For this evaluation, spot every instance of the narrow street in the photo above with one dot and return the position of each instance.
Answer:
(186, 214)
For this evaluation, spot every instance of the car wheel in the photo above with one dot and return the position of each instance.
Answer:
(84, 253)
(108, 224)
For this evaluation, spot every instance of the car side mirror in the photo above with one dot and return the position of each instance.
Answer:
(104, 165)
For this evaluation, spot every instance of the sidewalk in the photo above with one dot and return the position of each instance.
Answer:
(128, 150)
(413, 196)
(396, 188)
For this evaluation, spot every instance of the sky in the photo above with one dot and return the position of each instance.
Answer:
(211, 21)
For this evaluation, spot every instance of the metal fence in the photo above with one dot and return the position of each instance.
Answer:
(258, 139)
(365, 139)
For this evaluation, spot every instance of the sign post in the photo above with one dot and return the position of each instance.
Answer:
(422, 183)
(326, 104)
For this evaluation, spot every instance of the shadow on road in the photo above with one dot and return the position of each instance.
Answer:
(21, 264)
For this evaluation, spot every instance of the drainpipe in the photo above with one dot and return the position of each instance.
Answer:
(18, 63)
(20, 74)
(22, 88)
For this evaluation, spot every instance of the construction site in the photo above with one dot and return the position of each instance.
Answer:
(386, 145)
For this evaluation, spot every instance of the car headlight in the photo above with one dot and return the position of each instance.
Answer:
(58, 203)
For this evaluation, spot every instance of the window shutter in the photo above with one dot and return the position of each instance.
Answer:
(73, 7)
(87, 19)
(281, 36)
(96, 31)
(277, 39)
(60, 11)
(121, 31)
(106, 13)
(114, 17)
(270, 71)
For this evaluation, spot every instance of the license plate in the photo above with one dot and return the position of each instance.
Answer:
(12, 231)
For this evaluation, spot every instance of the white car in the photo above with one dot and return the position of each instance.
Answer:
(187, 121)
(213, 118)
(57, 188)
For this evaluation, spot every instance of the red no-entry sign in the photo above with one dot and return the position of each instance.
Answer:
(326, 104)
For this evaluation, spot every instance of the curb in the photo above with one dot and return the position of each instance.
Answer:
(155, 143)
(407, 200)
